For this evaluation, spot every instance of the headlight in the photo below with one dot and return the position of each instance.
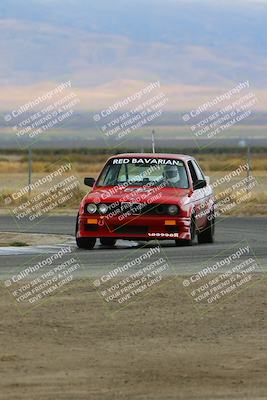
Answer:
(173, 209)
(91, 208)
(103, 208)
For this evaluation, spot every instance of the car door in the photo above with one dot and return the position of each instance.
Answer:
(199, 195)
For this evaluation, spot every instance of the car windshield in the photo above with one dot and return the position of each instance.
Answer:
(144, 172)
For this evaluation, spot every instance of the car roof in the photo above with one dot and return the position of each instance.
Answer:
(183, 157)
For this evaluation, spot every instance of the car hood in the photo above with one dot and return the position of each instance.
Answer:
(137, 194)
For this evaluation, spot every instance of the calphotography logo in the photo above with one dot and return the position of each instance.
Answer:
(219, 115)
(49, 191)
(41, 278)
(235, 190)
(147, 191)
(38, 116)
(130, 115)
(223, 276)
(133, 276)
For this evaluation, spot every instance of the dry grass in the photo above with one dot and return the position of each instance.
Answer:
(14, 175)
(94, 163)
(29, 239)
(220, 162)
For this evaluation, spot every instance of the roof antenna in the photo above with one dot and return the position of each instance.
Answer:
(153, 141)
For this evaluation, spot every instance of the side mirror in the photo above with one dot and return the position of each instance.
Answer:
(89, 181)
(207, 178)
(199, 184)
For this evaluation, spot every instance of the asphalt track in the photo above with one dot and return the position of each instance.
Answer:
(230, 231)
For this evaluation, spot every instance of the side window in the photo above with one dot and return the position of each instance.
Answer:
(108, 175)
(122, 176)
(192, 171)
(199, 173)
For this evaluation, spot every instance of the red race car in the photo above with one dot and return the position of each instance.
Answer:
(145, 197)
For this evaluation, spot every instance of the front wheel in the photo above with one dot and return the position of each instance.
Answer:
(86, 243)
(208, 235)
(83, 243)
(108, 242)
(190, 242)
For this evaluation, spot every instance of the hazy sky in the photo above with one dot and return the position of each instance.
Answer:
(105, 47)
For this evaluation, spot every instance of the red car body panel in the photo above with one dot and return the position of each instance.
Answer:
(146, 226)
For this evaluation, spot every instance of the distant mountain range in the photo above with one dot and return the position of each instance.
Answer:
(94, 42)
(197, 49)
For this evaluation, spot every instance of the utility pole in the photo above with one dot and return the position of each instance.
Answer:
(249, 165)
(245, 144)
(29, 169)
(153, 141)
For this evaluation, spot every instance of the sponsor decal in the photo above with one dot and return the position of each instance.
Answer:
(147, 161)
(161, 234)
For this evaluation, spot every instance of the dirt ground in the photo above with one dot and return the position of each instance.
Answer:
(157, 348)
(30, 239)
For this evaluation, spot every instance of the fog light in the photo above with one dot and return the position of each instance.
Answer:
(92, 221)
(170, 222)
(173, 209)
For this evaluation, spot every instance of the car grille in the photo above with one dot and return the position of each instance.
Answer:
(132, 208)
(128, 208)
(149, 209)
(131, 230)
(90, 228)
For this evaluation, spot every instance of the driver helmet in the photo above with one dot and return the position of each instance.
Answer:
(171, 173)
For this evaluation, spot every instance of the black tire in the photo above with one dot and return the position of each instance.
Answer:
(76, 226)
(108, 241)
(183, 242)
(85, 243)
(208, 235)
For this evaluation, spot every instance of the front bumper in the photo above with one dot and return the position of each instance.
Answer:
(141, 227)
